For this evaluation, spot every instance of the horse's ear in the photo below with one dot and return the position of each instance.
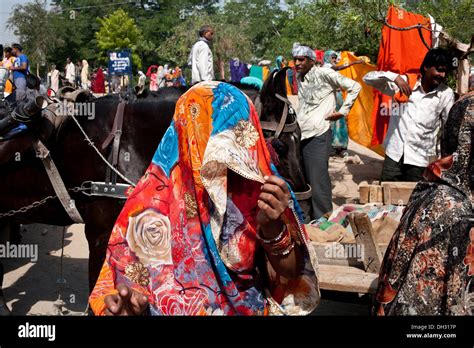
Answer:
(267, 88)
(279, 81)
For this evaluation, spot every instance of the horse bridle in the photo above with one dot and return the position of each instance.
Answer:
(280, 128)
(110, 188)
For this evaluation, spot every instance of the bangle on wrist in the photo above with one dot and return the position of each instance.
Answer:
(281, 245)
(275, 239)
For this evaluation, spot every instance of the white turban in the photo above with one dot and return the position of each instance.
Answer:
(303, 51)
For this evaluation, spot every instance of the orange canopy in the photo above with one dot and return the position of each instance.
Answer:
(359, 119)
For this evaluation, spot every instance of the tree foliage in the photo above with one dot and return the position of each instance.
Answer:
(250, 30)
(229, 41)
(34, 26)
(119, 31)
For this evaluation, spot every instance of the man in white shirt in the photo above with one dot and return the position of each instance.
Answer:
(412, 137)
(317, 87)
(70, 71)
(200, 58)
(54, 78)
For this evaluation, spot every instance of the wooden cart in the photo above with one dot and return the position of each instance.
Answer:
(360, 274)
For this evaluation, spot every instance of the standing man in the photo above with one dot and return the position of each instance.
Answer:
(422, 106)
(20, 69)
(200, 58)
(54, 78)
(78, 79)
(70, 71)
(317, 87)
(85, 82)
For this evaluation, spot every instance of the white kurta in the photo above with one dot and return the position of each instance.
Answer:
(70, 72)
(54, 80)
(201, 61)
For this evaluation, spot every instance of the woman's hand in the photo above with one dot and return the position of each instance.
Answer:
(126, 302)
(272, 201)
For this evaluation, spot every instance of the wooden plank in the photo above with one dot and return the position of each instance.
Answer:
(464, 71)
(364, 235)
(348, 279)
(397, 193)
(380, 194)
(374, 192)
(320, 249)
(326, 257)
(387, 197)
(364, 192)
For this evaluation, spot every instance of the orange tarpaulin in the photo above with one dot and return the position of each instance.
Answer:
(401, 52)
(359, 119)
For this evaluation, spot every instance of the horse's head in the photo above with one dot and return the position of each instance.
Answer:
(281, 130)
(272, 107)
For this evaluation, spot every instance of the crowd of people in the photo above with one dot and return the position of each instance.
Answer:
(163, 76)
(79, 75)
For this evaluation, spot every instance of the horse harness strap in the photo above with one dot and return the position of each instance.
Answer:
(301, 196)
(282, 127)
(272, 126)
(68, 204)
(258, 105)
(115, 135)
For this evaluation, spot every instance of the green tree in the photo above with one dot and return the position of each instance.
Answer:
(354, 24)
(119, 31)
(456, 16)
(77, 23)
(331, 25)
(229, 40)
(161, 19)
(250, 30)
(261, 23)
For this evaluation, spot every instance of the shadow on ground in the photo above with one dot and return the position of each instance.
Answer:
(33, 287)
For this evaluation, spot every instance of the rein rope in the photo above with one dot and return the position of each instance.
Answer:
(91, 143)
(76, 189)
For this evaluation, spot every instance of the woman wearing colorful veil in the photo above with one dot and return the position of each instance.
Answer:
(210, 229)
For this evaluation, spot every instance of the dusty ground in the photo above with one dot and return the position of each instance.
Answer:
(34, 288)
